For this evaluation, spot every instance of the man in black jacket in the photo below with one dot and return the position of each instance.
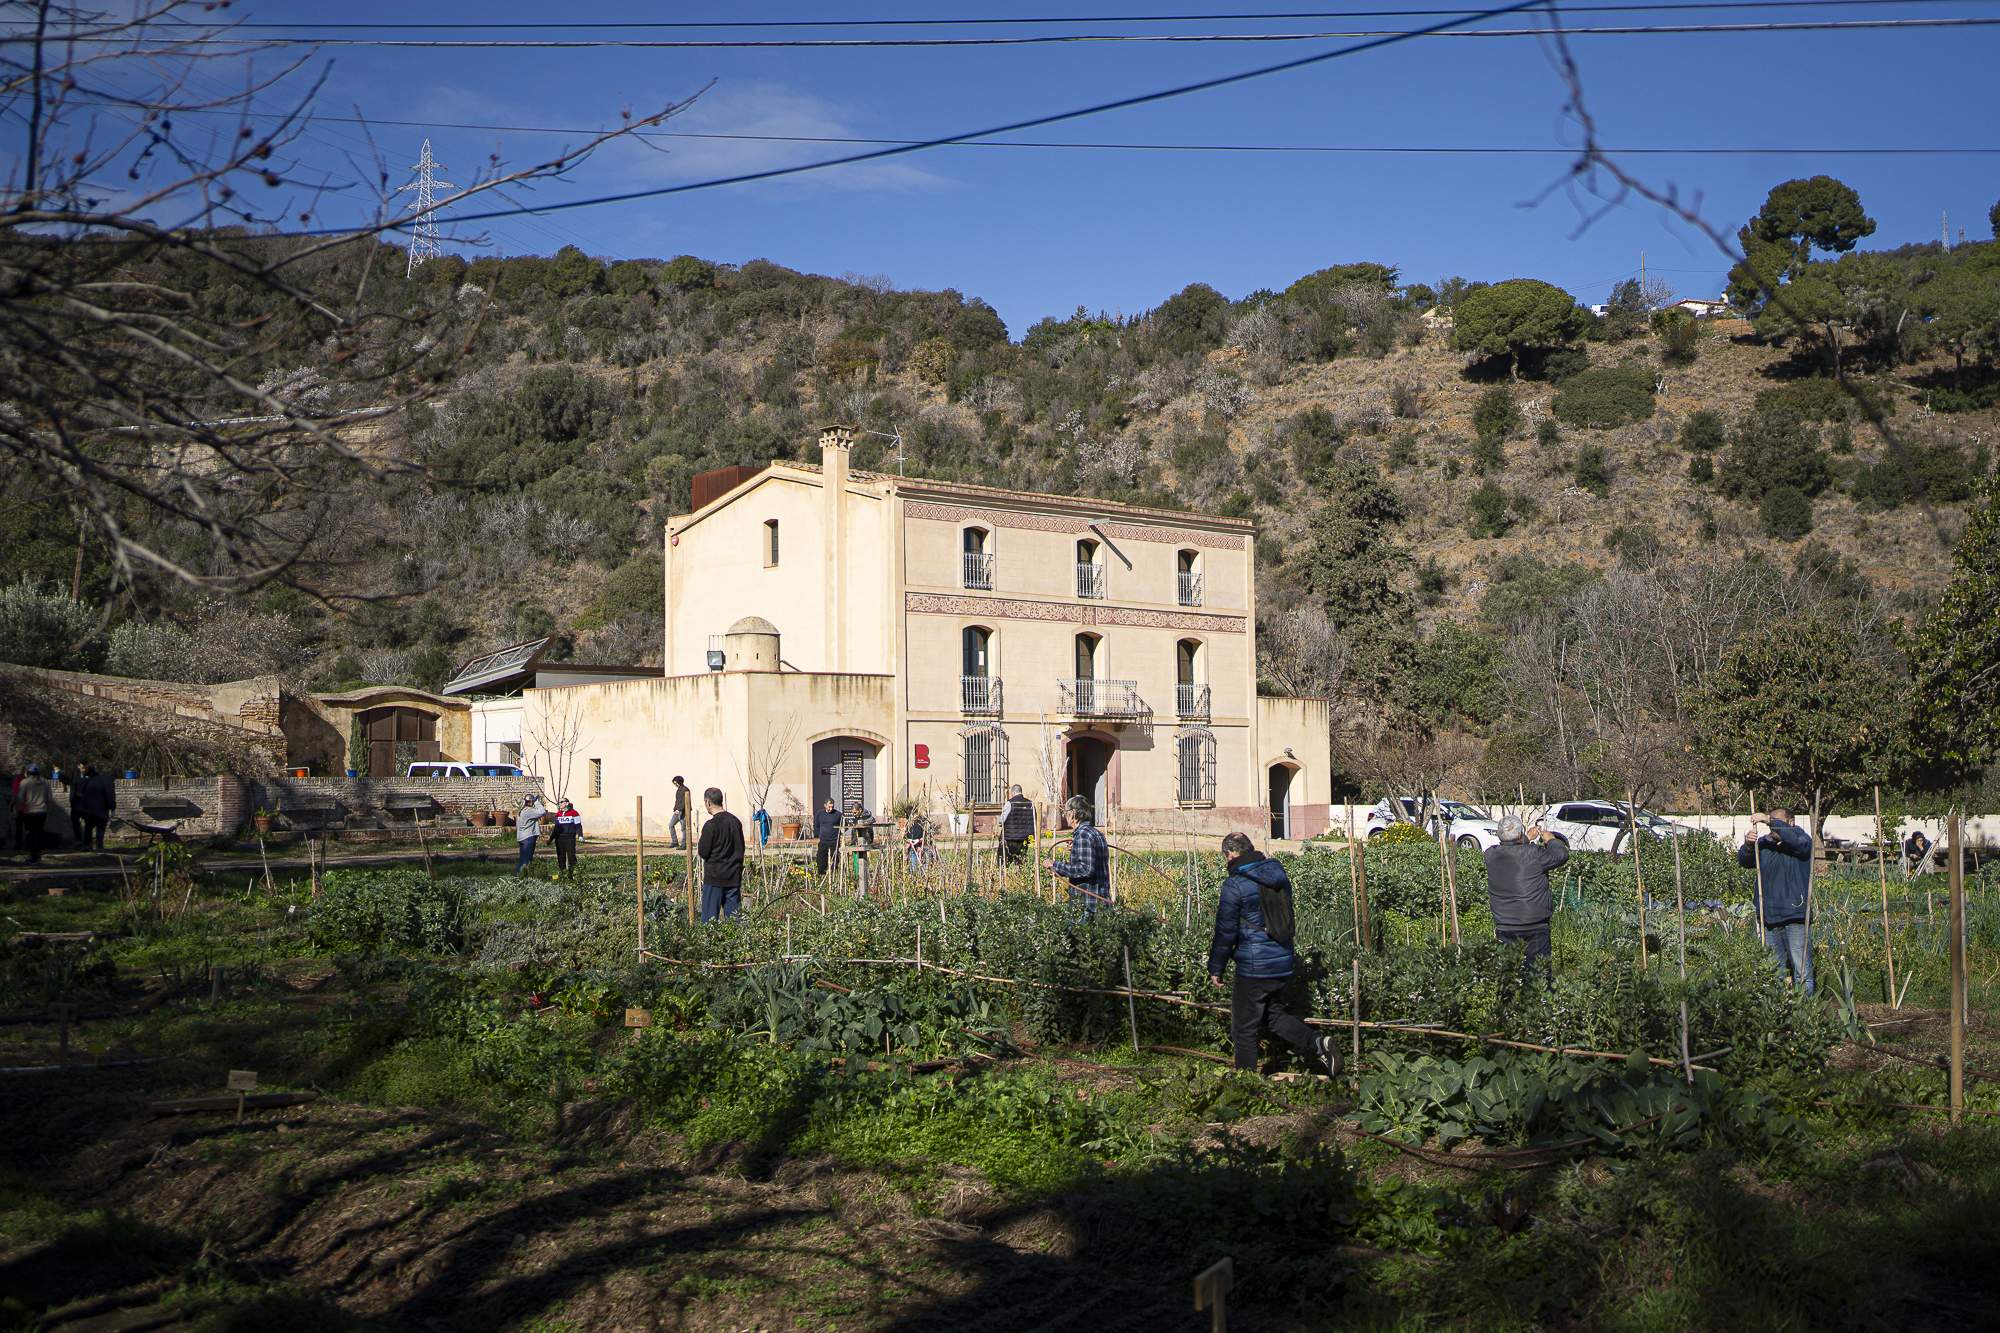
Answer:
(1781, 853)
(721, 851)
(1017, 824)
(826, 834)
(1517, 884)
(91, 803)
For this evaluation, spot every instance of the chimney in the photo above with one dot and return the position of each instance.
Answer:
(834, 443)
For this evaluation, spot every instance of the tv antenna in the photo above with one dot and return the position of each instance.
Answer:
(424, 232)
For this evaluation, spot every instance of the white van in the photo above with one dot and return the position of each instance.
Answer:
(453, 769)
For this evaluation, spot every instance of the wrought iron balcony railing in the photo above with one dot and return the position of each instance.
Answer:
(1190, 588)
(1089, 580)
(979, 696)
(1191, 701)
(978, 570)
(1100, 698)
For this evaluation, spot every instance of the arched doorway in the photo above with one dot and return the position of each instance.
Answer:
(844, 768)
(1281, 800)
(397, 738)
(1088, 772)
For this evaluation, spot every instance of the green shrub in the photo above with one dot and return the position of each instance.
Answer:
(44, 628)
(377, 911)
(1592, 469)
(1605, 396)
(1680, 337)
(1701, 470)
(1494, 416)
(1703, 432)
(1787, 513)
(1769, 449)
(688, 274)
(1811, 399)
(1488, 512)
(1547, 433)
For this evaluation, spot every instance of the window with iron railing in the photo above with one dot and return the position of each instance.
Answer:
(983, 764)
(978, 570)
(979, 696)
(1190, 588)
(1100, 698)
(1191, 700)
(1089, 580)
(1195, 752)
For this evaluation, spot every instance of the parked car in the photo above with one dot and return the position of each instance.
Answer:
(1599, 826)
(453, 769)
(1467, 825)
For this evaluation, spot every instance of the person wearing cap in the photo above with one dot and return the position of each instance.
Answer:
(31, 812)
(527, 828)
(1517, 884)
(569, 831)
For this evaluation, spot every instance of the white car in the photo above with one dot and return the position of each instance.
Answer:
(454, 769)
(1599, 826)
(1467, 825)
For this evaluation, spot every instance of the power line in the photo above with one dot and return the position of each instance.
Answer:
(1447, 150)
(160, 44)
(1673, 6)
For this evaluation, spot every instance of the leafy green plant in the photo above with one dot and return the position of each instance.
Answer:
(373, 911)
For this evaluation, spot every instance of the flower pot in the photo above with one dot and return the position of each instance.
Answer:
(961, 823)
(353, 773)
(790, 829)
(480, 818)
(263, 823)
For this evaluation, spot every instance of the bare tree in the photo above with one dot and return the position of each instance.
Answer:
(553, 740)
(165, 272)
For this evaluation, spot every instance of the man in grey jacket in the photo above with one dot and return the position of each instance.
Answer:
(1517, 884)
(527, 828)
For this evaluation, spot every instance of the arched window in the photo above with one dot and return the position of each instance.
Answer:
(1190, 690)
(1194, 749)
(976, 561)
(1187, 577)
(978, 687)
(1084, 689)
(1089, 568)
(983, 764)
(770, 543)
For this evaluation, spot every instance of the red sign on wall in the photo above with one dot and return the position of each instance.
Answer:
(923, 756)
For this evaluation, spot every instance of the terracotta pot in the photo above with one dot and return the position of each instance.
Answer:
(790, 829)
(263, 823)
(480, 818)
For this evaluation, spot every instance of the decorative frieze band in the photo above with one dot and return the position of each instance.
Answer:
(1068, 613)
(1007, 518)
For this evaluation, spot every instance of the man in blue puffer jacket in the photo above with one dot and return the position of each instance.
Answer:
(1253, 925)
(1781, 853)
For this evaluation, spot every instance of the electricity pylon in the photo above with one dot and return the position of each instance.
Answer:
(424, 232)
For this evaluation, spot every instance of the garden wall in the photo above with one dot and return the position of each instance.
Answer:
(212, 806)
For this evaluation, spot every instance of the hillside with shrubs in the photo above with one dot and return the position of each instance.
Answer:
(1463, 489)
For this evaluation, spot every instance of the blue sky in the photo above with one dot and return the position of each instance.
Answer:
(1039, 232)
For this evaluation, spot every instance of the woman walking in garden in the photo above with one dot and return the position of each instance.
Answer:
(527, 828)
(1253, 926)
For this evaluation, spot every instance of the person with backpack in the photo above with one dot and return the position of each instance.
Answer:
(1254, 924)
(569, 831)
(1017, 825)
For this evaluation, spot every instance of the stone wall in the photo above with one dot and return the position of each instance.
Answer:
(215, 806)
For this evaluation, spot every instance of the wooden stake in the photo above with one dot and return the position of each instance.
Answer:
(1211, 1293)
(639, 866)
(1354, 1019)
(686, 803)
(1354, 875)
(1882, 865)
(1360, 852)
(1131, 1004)
(1956, 938)
(1035, 852)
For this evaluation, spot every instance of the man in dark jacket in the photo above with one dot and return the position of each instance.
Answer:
(92, 802)
(721, 851)
(1017, 824)
(1088, 866)
(826, 835)
(1253, 926)
(1517, 884)
(1780, 852)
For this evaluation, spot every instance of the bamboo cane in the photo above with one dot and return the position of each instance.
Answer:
(1354, 875)
(1355, 1017)
(1444, 892)
(1451, 887)
(639, 867)
(1035, 853)
(1757, 864)
(1638, 871)
(1681, 923)
(687, 836)
(1360, 854)
(1131, 1002)
(1957, 945)
(1882, 866)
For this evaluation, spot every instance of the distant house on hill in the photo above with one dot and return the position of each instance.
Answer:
(1702, 309)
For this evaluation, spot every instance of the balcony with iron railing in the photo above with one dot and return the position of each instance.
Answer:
(1191, 701)
(979, 696)
(1089, 580)
(1190, 588)
(979, 570)
(1100, 698)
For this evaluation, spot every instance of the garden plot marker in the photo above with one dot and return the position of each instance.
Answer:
(64, 1015)
(1211, 1292)
(242, 1082)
